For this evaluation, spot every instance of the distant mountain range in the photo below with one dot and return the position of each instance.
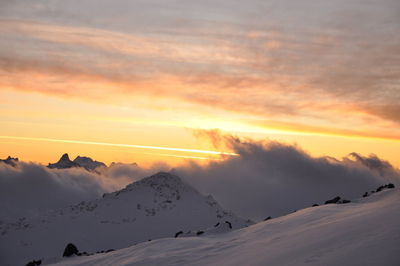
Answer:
(10, 161)
(79, 161)
(158, 206)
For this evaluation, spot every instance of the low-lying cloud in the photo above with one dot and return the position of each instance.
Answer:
(268, 178)
(29, 188)
(271, 178)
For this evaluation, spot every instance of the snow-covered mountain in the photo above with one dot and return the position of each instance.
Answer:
(365, 232)
(85, 162)
(154, 207)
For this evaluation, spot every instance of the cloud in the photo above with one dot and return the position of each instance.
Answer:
(267, 178)
(270, 178)
(323, 77)
(214, 136)
(29, 188)
(345, 57)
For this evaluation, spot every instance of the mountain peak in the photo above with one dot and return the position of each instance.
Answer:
(64, 162)
(10, 161)
(65, 157)
(80, 161)
(160, 179)
(88, 163)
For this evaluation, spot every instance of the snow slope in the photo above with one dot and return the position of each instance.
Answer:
(365, 232)
(154, 207)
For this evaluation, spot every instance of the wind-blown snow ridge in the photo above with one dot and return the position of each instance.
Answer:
(362, 233)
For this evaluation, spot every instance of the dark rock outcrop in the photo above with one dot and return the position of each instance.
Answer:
(34, 263)
(178, 233)
(10, 161)
(63, 163)
(229, 224)
(70, 250)
(390, 185)
(334, 200)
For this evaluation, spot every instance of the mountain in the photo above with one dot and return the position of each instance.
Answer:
(63, 163)
(88, 163)
(85, 162)
(154, 207)
(365, 232)
(10, 161)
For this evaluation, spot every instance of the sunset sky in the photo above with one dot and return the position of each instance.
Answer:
(136, 81)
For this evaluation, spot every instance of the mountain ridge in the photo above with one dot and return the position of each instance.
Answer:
(154, 207)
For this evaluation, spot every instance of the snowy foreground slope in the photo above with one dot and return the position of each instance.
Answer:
(154, 207)
(365, 232)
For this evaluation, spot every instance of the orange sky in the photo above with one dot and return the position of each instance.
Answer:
(150, 76)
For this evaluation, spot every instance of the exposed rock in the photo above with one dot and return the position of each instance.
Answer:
(334, 200)
(34, 263)
(199, 233)
(229, 224)
(88, 163)
(10, 161)
(390, 185)
(63, 163)
(70, 250)
(178, 233)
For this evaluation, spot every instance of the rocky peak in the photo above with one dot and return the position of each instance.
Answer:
(88, 163)
(10, 161)
(63, 163)
(65, 157)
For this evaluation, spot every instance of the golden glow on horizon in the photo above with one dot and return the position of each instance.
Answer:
(101, 87)
(125, 145)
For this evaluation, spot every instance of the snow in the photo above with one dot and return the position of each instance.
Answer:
(364, 232)
(155, 207)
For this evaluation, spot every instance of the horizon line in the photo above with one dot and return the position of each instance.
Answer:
(121, 145)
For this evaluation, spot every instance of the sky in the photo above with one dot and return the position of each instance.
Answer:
(136, 81)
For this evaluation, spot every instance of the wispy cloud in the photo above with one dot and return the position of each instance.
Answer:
(335, 70)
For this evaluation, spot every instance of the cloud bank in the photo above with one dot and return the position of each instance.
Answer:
(271, 178)
(29, 188)
(268, 178)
